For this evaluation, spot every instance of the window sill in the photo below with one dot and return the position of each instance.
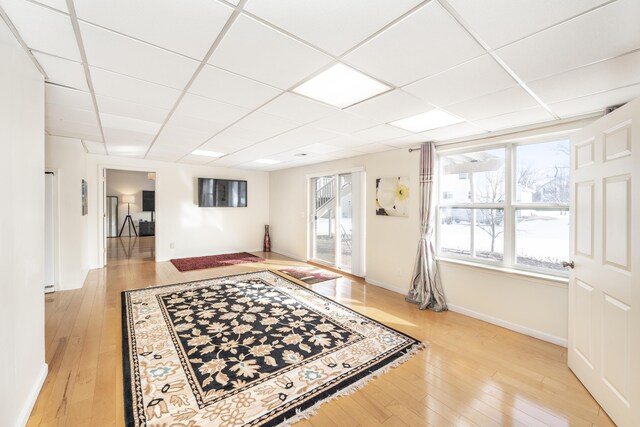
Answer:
(545, 279)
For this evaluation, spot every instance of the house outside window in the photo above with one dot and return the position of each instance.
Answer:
(512, 210)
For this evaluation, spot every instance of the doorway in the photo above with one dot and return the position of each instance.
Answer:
(129, 216)
(337, 221)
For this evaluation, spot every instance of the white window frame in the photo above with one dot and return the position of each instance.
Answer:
(509, 205)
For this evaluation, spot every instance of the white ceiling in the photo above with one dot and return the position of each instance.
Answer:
(158, 79)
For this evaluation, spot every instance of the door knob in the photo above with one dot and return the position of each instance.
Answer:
(570, 264)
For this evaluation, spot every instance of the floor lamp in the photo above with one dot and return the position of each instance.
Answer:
(127, 220)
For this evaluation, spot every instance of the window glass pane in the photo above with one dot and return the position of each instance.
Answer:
(455, 231)
(489, 234)
(542, 172)
(480, 172)
(542, 238)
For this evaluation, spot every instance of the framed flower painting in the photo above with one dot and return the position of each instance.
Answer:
(392, 196)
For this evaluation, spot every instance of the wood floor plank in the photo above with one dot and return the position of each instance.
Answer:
(472, 374)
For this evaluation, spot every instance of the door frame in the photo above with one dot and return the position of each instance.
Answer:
(360, 212)
(102, 214)
(56, 226)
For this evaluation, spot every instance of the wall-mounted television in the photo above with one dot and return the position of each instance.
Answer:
(148, 201)
(222, 193)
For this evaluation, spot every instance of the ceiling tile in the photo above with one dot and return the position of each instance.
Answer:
(499, 22)
(127, 149)
(58, 113)
(60, 5)
(75, 130)
(129, 124)
(596, 78)
(124, 137)
(297, 138)
(209, 109)
(515, 119)
(451, 132)
(373, 148)
(346, 153)
(119, 107)
(43, 29)
(197, 124)
(380, 133)
(133, 90)
(114, 52)
(94, 147)
(226, 144)
(63, 71)
(406, 141)
(224, 86)
(319, 148)
(255, 50)
(332, 25)
(390, 106)
(258, 126)
(188, 27)
(173, 135)
(425, 43)
(343, 122)
(167, 153)
(472, 79)
(68, 97)
(193, 159)
(297, 108)
(607, 32)
(494, 104)
(595, 103)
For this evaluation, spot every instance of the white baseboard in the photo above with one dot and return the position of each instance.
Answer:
(288, 254)
(386, 286)
(509, 325)
(23, 417)
(481, 316)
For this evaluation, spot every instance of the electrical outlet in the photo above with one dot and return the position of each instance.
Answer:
(172, 245)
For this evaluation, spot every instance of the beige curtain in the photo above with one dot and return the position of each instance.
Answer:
(426, 289)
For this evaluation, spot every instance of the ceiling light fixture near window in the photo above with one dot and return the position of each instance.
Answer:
(208, 153)
(341, 86)
(426, 121)
(268, 161)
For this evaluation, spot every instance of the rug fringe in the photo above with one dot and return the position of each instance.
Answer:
(311, 411)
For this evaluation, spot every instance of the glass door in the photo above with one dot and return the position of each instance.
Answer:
(332, 230)
(324, 219)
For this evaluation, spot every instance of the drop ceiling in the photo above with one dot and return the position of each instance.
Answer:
(159, 79)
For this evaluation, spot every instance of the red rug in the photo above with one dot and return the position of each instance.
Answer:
(310, 275)
(212, 261)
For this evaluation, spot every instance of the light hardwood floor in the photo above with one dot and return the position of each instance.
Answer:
(473, 373)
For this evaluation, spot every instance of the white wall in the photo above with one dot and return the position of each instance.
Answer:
(67, 157)
(533, 306)
(193, 231)
(22, 363)
(121, 183)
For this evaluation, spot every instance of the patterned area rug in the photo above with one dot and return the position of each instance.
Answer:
(212, 261)
(254, 349)
(309, 275)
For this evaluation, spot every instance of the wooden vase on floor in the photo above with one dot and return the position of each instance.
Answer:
(266, 247)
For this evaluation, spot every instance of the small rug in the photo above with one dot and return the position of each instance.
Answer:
(309, 275)
(253, 349)
(212, 261)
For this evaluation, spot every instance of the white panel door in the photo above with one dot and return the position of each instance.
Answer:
(604, 288)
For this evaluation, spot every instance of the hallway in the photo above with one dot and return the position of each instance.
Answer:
(128, 250)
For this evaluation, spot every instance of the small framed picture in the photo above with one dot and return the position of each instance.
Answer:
(85, 203)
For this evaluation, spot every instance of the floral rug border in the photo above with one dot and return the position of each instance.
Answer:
(300, 408)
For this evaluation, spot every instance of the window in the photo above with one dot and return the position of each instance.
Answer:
(512, 209)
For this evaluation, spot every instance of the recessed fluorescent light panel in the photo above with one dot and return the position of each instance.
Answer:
(341, 86)
(426, 121)
(208, 153)
(268, 161)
